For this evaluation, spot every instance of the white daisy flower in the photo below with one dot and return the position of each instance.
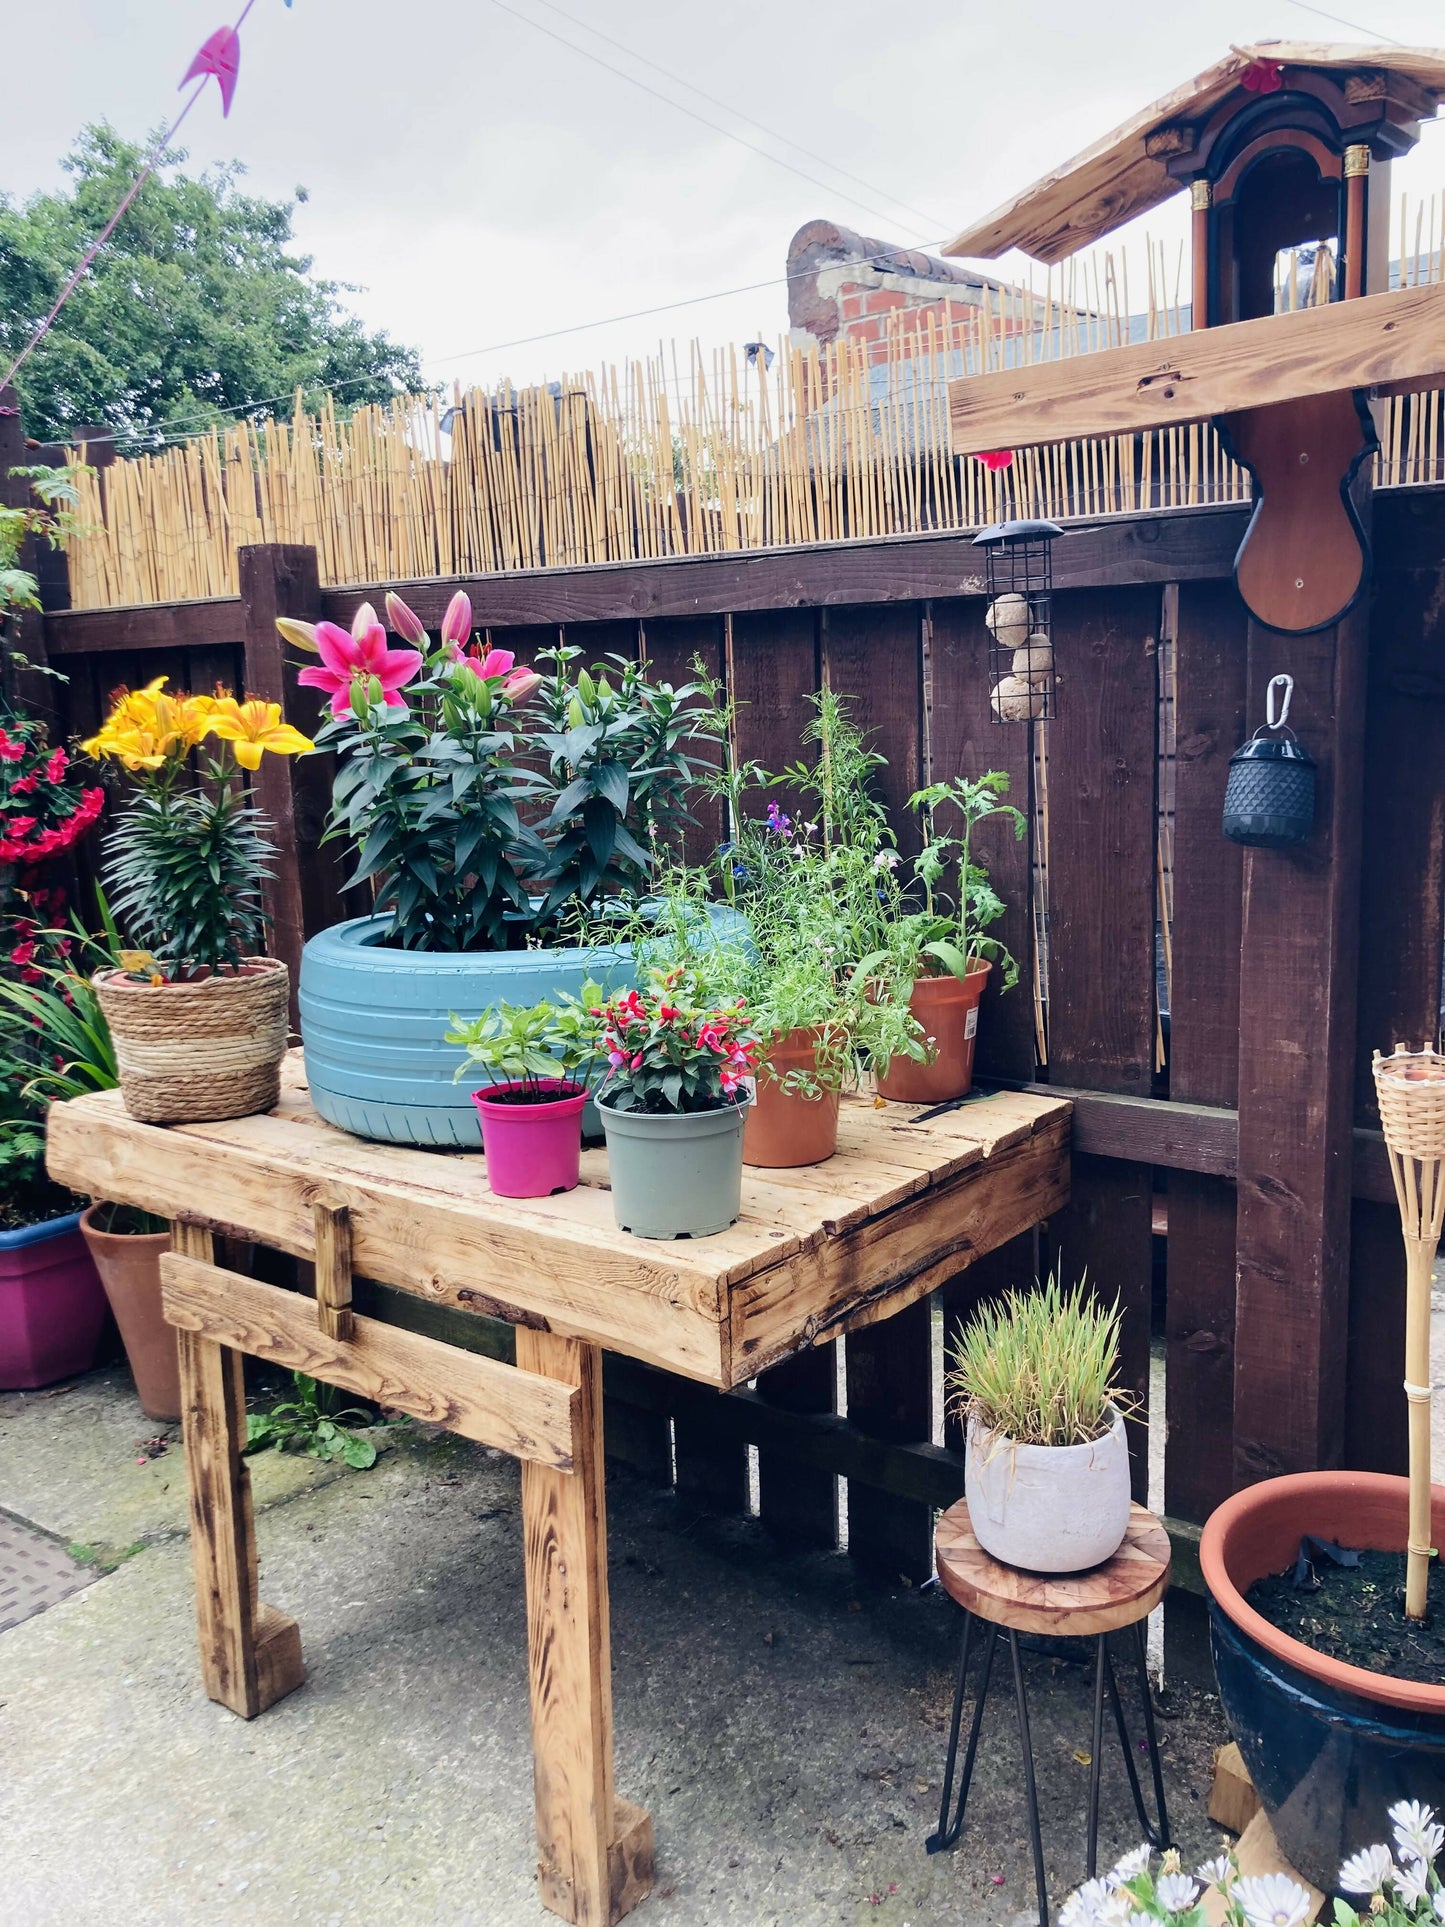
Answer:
(1437, 1901)
(1367, 1871)
(1176, 1892)
(1412, 1882)
(1084, 1908)
(1417, 1830)
(1272, 1900)
(1132, 1863)
(1215, 1872)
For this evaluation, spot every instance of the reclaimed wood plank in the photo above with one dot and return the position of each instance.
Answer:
(1103, 781)
(1298, 983)
(498, 1405)
(171, 625)
(333, 1271)
(1209, 686)
(1241, 365)
(229, 1618)
(570, 1665)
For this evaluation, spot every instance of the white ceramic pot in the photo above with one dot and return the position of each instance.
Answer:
(1048, 1508)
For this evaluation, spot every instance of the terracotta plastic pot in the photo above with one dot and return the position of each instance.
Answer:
(129, 1264)
(786, 1128)
(52, 1309)
(195, 1052)
(532, 1150)
(1329, 1746)
(947, 1008)
(1048, 1508)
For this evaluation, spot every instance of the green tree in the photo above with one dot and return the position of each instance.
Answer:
(196, 305)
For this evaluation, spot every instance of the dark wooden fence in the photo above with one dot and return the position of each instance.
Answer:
(1250, 1163)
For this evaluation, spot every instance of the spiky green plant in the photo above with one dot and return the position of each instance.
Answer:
(1038, 1366)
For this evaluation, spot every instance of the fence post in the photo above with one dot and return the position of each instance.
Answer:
(280, 579)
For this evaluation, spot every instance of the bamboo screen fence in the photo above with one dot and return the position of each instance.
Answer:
(680, 455)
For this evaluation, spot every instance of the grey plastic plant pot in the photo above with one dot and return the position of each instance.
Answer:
(675, 1176)
(374, 1021)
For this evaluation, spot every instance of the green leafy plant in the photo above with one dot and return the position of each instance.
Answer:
(1038, 1367)
(314, 1421)
(532, 1046)
(671, 1052)
(491, 805)
(50, 518)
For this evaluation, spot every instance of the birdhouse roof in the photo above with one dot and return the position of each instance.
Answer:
(1127, 172)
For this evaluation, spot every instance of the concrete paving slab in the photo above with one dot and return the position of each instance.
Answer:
(784, 1722)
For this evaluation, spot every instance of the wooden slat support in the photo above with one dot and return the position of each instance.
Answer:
(250, 1653)
(594, 1853)
(514, 1410)
(333, 1271)
(1188, 378)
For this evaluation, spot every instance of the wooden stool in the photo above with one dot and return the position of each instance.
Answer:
(1088, 1605)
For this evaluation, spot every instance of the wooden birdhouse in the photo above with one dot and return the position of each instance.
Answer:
(1284, 149)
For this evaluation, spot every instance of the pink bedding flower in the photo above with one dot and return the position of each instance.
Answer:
(362, 653)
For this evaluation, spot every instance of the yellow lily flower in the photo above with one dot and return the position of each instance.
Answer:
(252, 727)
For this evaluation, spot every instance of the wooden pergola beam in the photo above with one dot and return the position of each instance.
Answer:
(1375, 342)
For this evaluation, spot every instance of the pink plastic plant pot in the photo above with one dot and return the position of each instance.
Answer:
(532, 1150)
(52, 1304)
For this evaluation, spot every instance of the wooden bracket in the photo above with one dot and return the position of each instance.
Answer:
(532, 1417)
(333, 1271)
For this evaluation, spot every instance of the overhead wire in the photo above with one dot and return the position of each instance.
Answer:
(786, 140)
(678, 106)
(1353, 25)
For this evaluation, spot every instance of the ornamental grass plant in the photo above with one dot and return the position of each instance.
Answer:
(1037, 1367)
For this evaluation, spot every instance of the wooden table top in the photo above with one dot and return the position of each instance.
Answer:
(1068, 1604)
(903, 1206)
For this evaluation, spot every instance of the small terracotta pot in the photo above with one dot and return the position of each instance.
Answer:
(948, 1012)
(129, 1264)
(785, 1129)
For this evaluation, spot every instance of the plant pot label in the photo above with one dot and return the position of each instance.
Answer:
(970, 1023)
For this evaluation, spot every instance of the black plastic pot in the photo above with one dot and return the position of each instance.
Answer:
(1330, 1747)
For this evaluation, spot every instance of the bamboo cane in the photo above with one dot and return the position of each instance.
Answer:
(1411, 1089)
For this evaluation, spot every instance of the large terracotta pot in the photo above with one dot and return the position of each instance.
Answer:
(784, 1128)
(947, 1008)
(1329, 1746)
(129, 1264)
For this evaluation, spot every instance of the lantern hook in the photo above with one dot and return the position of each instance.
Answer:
(1286, 683)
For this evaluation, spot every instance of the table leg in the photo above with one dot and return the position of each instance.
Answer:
(250, 1653)
(594, 1851)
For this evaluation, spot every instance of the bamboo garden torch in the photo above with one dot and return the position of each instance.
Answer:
(1411, 1089)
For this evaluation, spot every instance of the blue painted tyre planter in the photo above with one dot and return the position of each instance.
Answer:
(373, 1020)
(1329, 1747)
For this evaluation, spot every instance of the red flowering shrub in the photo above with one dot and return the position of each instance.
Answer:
(44, 811)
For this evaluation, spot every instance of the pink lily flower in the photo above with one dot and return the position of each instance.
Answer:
(520, 684)
(457, 623)
(362, 653)
(496, 662)
(405, 620)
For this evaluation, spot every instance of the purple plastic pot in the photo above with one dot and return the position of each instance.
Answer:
(532, 1150)
(52, 1304)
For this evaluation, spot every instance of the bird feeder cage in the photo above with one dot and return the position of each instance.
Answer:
(1019, 617)
(1269, 800)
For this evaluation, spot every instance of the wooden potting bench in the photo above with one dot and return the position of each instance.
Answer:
(909, 1201)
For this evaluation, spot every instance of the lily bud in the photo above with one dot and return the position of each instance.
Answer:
(520, 684)
(457, 622)
(301, 635)
(374, 691)
(364, 619)
(358, 698)
(405, 621)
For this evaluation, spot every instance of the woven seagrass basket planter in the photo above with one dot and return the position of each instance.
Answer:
(191, 1053)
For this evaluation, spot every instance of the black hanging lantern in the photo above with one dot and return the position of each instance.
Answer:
(1020, 576)
(1269, 800)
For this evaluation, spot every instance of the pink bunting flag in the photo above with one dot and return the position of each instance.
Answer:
(221, 56)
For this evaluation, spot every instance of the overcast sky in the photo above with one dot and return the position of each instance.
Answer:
(485, 183)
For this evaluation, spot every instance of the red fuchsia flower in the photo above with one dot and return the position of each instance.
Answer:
(11, 749)
(405, 620)
(22, 953)
(362, 653)
(23, 785)
(22, 825)
(56, 765)
(457, 624)
(996, 458)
